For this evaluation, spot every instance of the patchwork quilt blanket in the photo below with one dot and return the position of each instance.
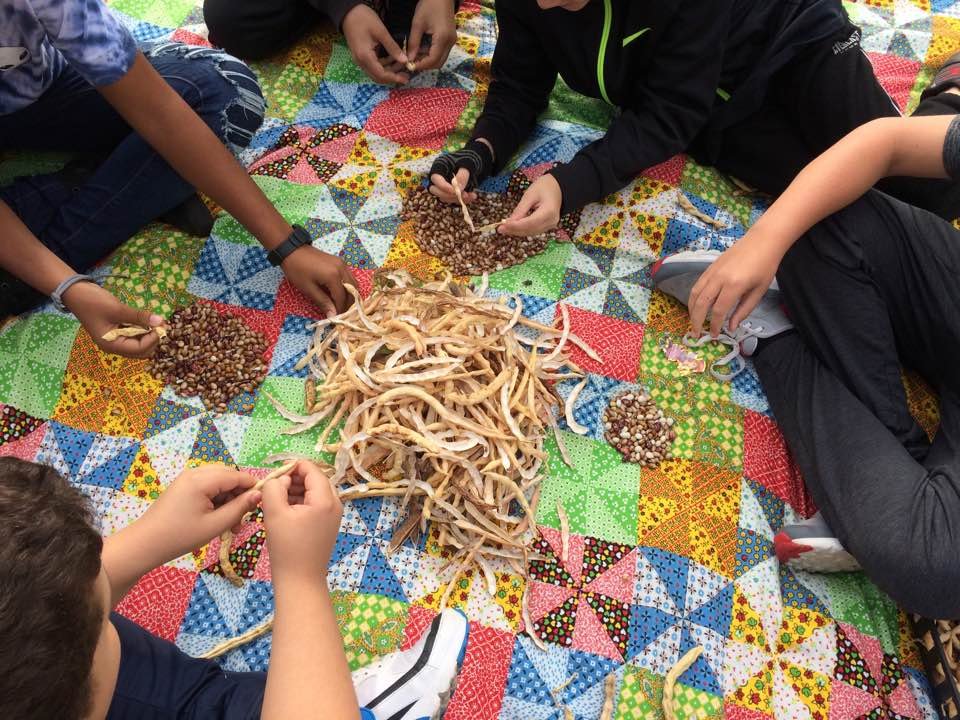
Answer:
(660, 560)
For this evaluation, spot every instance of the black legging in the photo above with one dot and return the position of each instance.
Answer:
(875, 286)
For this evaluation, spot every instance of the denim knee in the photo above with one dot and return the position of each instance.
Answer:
(221, 89)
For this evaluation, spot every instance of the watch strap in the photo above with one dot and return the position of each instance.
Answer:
(298, 238)
(57, 295)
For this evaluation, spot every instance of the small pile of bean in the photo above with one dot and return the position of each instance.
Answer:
(213, 356)
(638, 429)
(441, 231)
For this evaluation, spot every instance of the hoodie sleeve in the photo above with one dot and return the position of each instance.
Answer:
(668, 106)
(522, 79)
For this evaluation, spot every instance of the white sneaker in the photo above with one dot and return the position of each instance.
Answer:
(415, 684)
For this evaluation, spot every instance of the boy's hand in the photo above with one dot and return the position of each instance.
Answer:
(437, 19)
(734, 282)
(301, 513)
(538, 210)
(320, 276)
(198, 506)
(470, 165)
(99, 311)
(443, 188)
(365, 32)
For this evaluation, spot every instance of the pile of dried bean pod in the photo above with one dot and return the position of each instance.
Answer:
(949, 636)
(445, 404)
(441, 231)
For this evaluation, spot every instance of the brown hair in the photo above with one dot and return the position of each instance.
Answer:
(50, 617)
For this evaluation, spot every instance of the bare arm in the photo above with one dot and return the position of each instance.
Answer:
(911, 146)
(152, 108)
(308, 668)
(165, 121)
(888, 147)
(26, 257)
(23, 255)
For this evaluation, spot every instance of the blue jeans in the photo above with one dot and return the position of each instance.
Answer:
(133, 185)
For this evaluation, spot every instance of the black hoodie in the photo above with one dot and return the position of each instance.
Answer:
(669, 65)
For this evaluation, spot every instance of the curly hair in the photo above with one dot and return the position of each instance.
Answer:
(50, 616)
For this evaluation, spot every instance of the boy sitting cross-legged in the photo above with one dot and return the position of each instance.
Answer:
(866, 285)
(67, 655)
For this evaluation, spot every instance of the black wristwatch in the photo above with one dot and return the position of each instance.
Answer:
(298, 238)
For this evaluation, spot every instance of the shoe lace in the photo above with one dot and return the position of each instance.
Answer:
(733, 359)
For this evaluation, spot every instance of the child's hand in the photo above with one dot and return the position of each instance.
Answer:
(301, 512)
(442, 187)
(320, 276)
(437, 19)
(365, 32)
(198, 506)
(99, 311)
(737, 279)
(538, 210)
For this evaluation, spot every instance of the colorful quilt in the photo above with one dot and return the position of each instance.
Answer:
(660, 560)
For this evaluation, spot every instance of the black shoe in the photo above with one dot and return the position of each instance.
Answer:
(16, 296)
(191, 216)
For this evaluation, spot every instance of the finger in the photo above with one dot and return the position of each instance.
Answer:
(700, 306)
(347, 278)
(436, 55)
(447, 198)
(317, 485)
(299, 470)
(136, 347)
(442, 189)
(382, 35)
(527, 203)
(231, 513)
(724, 304)
(336, 292)
(413, 40)
(391, 65)
(463, 179)
(321, 300)
(132, 316)
(368, 62)
(746, 306)
(536, 222)
(275, 495)
(216, 479)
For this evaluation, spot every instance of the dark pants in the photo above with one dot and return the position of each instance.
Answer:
(872, 288)
(811, 103)
(257, 29)
(133, 185)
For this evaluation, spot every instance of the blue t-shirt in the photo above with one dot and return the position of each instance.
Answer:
(157, 681)
(39, 38)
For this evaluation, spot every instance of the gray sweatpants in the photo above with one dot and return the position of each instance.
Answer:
(875, 286)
